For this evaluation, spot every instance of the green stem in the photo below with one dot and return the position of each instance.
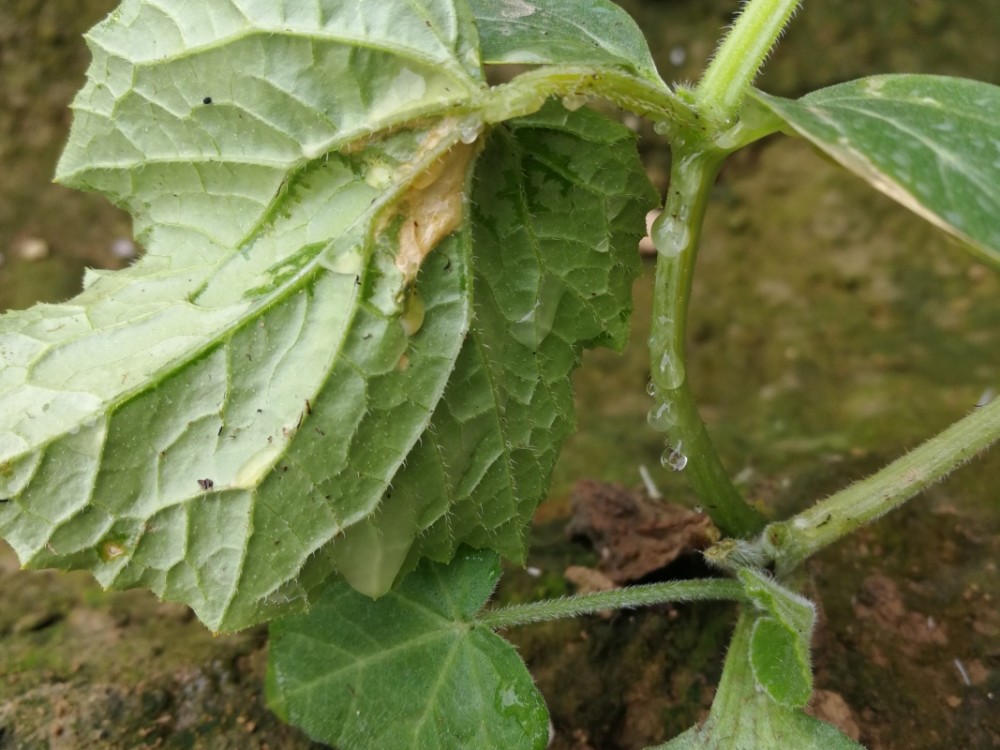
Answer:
(790, 542)
(527, 93)
(676, 235)
(739, 57)
(625, 598)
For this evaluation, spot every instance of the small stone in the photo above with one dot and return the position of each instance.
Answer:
(123, 248)
(32, 249)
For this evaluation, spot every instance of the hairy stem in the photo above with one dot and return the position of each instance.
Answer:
(625, 598)
(527, 93)
(790, 542)
(676, 235)
(739, 57)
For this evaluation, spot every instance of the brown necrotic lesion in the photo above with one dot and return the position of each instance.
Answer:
(433, 208)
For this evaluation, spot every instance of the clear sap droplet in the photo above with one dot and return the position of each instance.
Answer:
(670, 236)
(573, 102)
(412, 314)
(536, 324)
(664, 363)
(672, 373)
(469, 129)
(660, 417)
(674, 459)
(651, 388)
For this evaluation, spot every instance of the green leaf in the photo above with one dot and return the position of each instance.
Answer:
(552, 32)
(205, 430)
(204, 422)
(246, 409)
(780, 639)
(743, 716)
(929, 142)
(557, 210)
(411, 670)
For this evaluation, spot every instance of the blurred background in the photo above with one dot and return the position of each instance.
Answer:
(830, 331)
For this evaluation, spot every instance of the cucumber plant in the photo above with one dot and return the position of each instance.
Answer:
(331, 393)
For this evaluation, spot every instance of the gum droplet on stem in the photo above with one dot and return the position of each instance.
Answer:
(674, 459)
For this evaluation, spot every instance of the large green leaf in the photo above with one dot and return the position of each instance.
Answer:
(213, 422)
(569, 32)
(929, 142)
(411, 671)
(557, 209)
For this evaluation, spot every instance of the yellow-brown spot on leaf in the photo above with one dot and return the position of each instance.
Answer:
(433, 208)
(111, 550)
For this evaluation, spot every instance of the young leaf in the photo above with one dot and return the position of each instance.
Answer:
(557, 208)
(743, 716)
(929, 142)
(780, 639)
(411, 671)
(568, 32)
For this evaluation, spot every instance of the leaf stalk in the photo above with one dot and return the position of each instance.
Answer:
(623, 598)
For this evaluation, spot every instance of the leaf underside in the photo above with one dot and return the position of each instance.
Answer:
(342, 350)
(931, 143)
(409, 671)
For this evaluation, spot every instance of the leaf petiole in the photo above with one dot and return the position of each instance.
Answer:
(623, 598)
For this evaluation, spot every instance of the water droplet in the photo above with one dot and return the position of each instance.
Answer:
(674, 459)
(698, 509)
(651, 388)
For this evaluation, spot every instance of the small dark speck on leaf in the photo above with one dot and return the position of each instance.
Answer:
(4, 500)
(207, 100)
(206, 484)
(219, 433)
